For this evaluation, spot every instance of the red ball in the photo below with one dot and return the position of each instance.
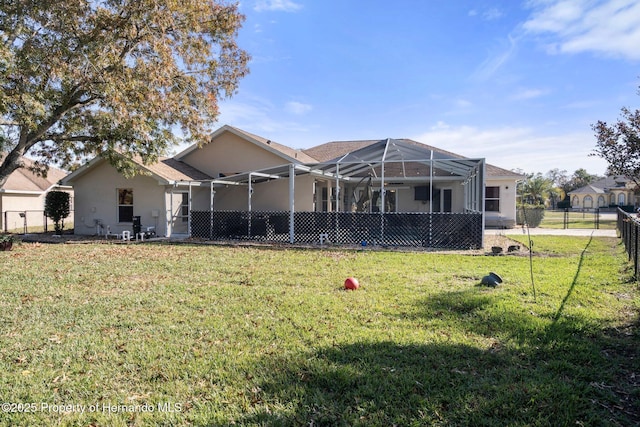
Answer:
(351, 283)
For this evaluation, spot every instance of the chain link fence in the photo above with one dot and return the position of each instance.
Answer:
(629, 231)
(427, 230)
(30, 221)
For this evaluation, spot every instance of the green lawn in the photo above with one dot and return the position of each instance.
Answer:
(556, 219)
(159, 334)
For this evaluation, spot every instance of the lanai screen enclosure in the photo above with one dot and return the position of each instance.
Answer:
(390, 193)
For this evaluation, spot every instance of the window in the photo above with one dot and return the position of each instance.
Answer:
(587, 202)
(389, 201)
(621, 200)
(492, 199)
(328, 198)
(184, 207)
(601, 202)
(575, 202)
(125, 205)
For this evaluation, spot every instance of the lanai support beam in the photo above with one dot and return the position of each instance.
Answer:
(292, 198)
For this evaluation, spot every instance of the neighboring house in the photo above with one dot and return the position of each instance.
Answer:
(240, 177)
(22, 196)
(606, 192)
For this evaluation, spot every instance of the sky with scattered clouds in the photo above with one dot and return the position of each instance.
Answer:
(517, 82)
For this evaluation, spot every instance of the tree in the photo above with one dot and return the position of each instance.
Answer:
(581, 178)
(619, 145)
(112, 77)
(57, 207)
(536, 189)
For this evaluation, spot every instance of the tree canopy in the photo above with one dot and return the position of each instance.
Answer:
(619, 144)
(112, 77)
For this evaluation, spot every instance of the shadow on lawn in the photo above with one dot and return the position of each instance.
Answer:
(434, 384)
(536, 371)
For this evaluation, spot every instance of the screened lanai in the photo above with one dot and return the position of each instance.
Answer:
(390, 193)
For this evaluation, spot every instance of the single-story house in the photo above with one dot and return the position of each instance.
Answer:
(241, 185)
(22, 196)
(610, 191)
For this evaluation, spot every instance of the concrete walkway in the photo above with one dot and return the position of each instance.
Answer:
(553, 232)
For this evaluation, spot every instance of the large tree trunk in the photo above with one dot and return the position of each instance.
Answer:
(11, 162)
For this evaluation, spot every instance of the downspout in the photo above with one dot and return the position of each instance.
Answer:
(170, 231)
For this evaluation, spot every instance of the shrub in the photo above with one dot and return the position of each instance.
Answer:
(57, 207)
(534, 214)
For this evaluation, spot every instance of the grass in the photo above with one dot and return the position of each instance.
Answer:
(212, 335)
(556, 219)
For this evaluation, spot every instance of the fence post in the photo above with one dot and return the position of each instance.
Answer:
(565, 220)
(635, 252)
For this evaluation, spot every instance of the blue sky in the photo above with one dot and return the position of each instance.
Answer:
(516, 82)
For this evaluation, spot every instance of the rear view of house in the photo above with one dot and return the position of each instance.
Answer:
(243, 186)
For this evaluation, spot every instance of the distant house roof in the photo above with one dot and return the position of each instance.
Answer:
(588, 189)
(604, 185)
(24, 180)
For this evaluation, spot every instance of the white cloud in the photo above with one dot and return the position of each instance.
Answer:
(257, 115)
(463, 103)
(277, 5)
(610, 28)
(517, 147)
(488, 14)
(496, 60)
(297, 108)
(492, 14)
(524, 94)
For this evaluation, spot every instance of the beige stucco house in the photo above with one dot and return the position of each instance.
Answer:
(22, 197)
(606, 192)
(239, 173)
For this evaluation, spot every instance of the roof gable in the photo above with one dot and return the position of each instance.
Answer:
(288, 154)
(166, 170)
(23, 179)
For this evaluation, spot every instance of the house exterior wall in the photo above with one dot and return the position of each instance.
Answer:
(506, 216)
(96, 200)
(229, 154)
(11, 204)
(14, 203)
(267, 196)
(590, 201)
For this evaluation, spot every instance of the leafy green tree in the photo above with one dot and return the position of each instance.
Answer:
(84, 77)
(581, 178)
(536, 189)
(57, 206)
(619, 145)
